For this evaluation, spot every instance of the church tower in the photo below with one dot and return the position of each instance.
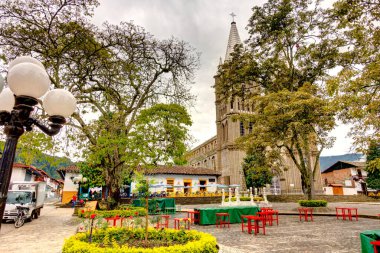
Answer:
(229, 158)
(220, 152)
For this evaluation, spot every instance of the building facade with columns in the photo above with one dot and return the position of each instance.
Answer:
(220, 152)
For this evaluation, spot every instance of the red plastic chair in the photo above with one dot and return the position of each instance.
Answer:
(375, 244)
(222, 219)
(258, 222)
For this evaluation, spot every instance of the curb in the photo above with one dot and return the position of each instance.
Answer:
(367, 216)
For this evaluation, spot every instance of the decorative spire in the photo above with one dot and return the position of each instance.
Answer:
(233, 38)
(233, 15)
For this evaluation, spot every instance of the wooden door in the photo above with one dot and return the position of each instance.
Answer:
(337, 190)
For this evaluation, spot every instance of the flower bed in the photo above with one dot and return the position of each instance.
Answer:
(133, 211)
(122, 240)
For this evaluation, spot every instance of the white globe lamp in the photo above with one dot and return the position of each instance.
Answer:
(22, 59)
(7, 100)
(59, 102)
(28, 79)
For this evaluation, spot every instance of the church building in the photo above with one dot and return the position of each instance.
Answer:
(220, 152)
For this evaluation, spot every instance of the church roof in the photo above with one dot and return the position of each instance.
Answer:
(233, 39)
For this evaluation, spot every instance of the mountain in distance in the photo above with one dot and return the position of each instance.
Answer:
(49, 164)
(327, 161)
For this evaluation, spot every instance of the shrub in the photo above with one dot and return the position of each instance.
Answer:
(312, 203)
(116, 240)
(133, 211)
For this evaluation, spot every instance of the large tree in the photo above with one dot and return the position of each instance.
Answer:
(158, 136)
(357, 85)
(280, 76)
(114, 71)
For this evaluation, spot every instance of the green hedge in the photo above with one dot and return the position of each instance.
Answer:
(312, 203)
(192, 241)
(244, 199)
(133, 211)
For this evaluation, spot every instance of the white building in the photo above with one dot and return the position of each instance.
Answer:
(69, 188)
(29, 173)
(183, 179)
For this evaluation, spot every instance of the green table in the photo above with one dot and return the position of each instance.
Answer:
(157, 205)
(208, 215)
(366, 237)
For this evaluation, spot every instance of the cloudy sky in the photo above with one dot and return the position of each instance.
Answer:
(205, 25)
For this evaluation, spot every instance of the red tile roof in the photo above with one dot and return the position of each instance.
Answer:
(71, 168)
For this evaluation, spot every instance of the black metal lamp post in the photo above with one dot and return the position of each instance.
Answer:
(27, 81)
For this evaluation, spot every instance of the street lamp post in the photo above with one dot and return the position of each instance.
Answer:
(79, 180)
(27, 81)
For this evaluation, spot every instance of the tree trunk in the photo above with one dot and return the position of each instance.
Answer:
(114, 194)
(311, 194)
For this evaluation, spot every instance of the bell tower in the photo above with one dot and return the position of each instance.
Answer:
(229, 158)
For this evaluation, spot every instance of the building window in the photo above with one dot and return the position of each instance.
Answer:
(232, 104)
(170, 181)
(241, 128)
(250, 127)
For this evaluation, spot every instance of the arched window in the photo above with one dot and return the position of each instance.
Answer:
(226, 129)
(241, 128)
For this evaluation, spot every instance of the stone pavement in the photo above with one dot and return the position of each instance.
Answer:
(43, 235)
(325, 234)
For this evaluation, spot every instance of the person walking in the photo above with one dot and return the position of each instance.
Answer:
(73, 200)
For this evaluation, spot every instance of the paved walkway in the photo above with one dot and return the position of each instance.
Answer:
(325, 234)
(45, 234)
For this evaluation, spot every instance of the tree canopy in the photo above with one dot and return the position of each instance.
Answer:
(280, 75)
(356, 87)
(114, 71)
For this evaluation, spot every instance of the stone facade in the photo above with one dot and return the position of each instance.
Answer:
(220, 152)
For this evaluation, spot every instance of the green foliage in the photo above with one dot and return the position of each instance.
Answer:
(133, 211)
(373, 166)
(159, 134)
(114, 71)
(36, 157)
(95, 175)
(313, 203)
(280, 78)
(256, 170)
(356, 86)
(191, 241)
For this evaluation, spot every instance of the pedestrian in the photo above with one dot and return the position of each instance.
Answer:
(74, 200)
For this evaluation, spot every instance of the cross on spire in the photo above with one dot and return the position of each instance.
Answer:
(233, 15)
